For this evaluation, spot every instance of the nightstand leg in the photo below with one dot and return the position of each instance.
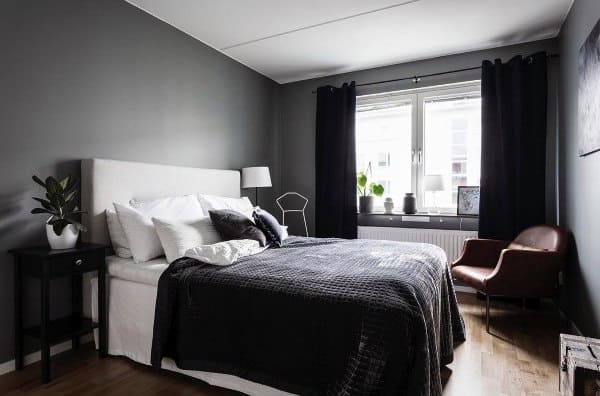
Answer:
(76, 304)
(18, 316)
(102, 323)
(45, 319)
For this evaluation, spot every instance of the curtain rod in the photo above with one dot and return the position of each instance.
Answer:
(417, 78)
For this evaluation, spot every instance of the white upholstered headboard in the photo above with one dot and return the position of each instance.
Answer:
(106, 181)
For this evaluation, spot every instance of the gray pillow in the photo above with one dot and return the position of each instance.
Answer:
(234, 225)
(269, 226)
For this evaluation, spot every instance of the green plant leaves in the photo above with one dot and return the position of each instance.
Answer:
(58, 225)
(54, 200)
(361, 179)
(46, 204)
(38, 181)
(42, 211)
(53, 186)
(68, 184)
(70, 196)
(64, 183)
(61, 202)
(376, 189)
(361, 184)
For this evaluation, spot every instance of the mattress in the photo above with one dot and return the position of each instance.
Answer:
(147, 272)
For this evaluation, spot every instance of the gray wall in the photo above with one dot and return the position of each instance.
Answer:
(298, 111)
(88, 78)
(83, 78)
(579, 181)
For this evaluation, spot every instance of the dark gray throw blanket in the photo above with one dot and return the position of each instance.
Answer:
(315, 317)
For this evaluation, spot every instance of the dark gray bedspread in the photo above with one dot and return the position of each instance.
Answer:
(316, 316)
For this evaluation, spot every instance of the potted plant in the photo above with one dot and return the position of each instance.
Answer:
(62, 228)
(367, 191)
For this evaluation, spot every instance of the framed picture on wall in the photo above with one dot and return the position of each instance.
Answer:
(468, 201)
(589, 93)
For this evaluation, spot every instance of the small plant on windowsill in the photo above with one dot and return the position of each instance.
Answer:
(367, 191)
(62, 228)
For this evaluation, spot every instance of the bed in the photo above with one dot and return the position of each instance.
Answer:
(133, 288)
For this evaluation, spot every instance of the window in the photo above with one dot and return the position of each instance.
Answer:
(411, 136)
(384, 138)
(383, 160)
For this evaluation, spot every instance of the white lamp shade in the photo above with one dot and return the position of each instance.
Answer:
(256, 176)
(434, 183)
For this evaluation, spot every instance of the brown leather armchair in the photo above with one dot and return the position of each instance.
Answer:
(527, 267)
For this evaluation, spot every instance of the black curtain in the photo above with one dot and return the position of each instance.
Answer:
(335, 162)
(513, 146)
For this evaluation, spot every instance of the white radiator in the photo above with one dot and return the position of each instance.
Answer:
(449, 240)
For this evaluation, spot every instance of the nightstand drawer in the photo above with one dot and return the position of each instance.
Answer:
(74, 263)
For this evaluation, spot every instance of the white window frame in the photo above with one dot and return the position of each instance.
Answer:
(417, 97)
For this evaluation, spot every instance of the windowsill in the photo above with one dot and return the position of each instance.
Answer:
(441, 221)
(418, 214)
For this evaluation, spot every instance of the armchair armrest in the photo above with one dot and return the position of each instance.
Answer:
(525, 273)
(480, 252)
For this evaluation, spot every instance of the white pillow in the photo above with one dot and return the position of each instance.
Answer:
(117, 235)
(177, 236)
(143, 240)
(284, 233)
(139, 229)
(213, 202)
(180, 207)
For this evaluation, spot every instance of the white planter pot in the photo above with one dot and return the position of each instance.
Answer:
(66, 240)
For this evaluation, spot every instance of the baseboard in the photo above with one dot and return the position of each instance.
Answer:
(33, 357)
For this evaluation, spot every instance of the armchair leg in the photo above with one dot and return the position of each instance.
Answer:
(487, 313)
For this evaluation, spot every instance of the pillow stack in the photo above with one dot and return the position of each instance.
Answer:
(136, 221)
(146, 229)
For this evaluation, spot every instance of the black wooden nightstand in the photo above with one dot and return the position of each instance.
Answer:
(45, 264)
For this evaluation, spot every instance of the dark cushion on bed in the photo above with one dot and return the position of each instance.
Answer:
(234, 225)
(269, 225)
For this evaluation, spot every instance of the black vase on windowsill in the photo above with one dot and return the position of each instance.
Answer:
(365, 203)
(410, 204)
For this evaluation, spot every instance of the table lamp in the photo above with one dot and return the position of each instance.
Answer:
(256, 177)
(434, 183)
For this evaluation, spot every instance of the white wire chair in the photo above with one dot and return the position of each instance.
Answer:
(284, 211)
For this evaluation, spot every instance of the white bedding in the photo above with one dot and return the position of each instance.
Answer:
(149, 272)
(132, 289)
(125, 268)
(226, 252)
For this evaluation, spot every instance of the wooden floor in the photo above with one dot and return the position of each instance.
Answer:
(520, 358)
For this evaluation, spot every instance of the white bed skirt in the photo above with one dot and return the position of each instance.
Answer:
(130, 326)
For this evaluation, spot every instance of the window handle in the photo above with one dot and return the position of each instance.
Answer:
(420, 156)
(413, 153)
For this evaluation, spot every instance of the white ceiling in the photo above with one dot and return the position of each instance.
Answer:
(290, 40)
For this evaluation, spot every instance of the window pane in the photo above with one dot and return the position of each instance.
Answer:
(452, 146)
(384, 138)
